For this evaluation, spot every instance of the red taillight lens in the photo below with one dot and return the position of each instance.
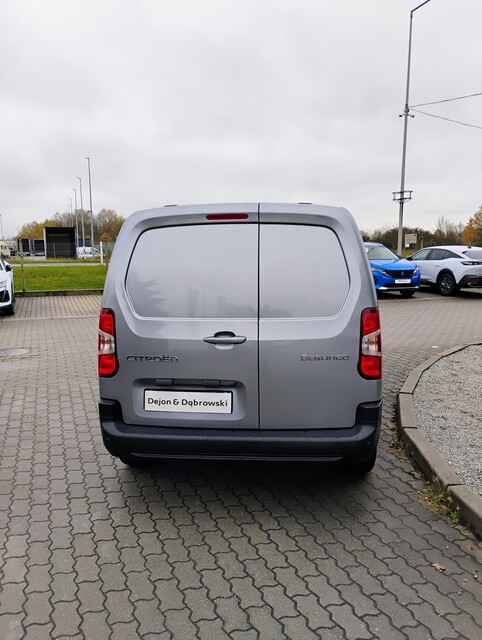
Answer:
(107, 358)
(370, 362)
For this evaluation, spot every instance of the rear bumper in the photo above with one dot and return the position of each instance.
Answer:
(357, 443)
(470, 282)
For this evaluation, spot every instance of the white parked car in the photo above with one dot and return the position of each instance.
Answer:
(86, 252)
(450, 268)
(7, 292)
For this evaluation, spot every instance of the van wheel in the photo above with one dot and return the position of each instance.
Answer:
(362, 468)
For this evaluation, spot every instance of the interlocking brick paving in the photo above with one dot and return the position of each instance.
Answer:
(208, 550)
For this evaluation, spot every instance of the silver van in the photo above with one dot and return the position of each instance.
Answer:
(247, 331)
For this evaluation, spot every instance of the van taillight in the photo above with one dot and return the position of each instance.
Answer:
(370, 362)
(107, 358)
(227, 216)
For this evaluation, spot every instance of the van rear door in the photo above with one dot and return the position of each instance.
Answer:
(188, 340)
(309, 327)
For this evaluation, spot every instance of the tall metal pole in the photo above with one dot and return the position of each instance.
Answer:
(76, 221)
(402, 198)
(1, 226)
(82, 210)
(91, 211)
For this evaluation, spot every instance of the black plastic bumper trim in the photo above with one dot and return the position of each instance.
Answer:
(356, 443)
(464, 283)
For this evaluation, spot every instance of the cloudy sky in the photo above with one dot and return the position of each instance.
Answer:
(186, 101)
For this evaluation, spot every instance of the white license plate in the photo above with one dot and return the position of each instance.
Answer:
(188, 401)
(403, 281)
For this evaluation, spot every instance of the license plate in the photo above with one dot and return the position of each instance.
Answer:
(403, 281)
(188, 401)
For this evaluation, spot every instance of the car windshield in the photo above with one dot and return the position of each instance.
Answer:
(380, 253)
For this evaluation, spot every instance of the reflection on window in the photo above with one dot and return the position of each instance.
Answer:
(198, 271)
(303, 273)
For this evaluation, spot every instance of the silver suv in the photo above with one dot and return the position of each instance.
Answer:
(240, 331)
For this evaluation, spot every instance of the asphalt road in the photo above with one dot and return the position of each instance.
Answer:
(203, 550)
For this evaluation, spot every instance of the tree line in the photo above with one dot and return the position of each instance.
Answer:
(107, 224)
(446, 232)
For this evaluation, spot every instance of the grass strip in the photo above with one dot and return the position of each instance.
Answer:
(61, 278)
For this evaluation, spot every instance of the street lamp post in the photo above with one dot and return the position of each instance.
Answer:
(91, 210)
(403, 196)
(76, 220)
(82, 210)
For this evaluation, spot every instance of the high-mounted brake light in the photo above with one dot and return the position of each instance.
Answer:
(370, 362)
(107, 357)
(227, 216)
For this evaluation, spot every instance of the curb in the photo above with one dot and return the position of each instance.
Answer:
(72, 292)
(433, 466)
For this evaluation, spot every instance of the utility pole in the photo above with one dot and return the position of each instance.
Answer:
(91, 211)
(76, 221)
(403, 196)
(82, 210)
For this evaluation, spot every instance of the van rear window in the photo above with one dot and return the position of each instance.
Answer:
(195, 271)
(303, 272)
(211, 271)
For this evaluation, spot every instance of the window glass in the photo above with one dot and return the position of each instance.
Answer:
(438, 254)
(420, 255)
(380, 253)
(473, 254)
(303, 272)
(199, 271)
(450, 254)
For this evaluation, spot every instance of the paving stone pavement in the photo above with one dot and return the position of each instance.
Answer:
(91, 549)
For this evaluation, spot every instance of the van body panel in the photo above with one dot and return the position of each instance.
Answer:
(180, 360)
(262, 302)
(308, 351)
(169, 297)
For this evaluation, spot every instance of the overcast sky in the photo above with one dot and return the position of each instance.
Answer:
(196, 101)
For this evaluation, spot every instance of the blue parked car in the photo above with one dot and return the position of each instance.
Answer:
(390, 272)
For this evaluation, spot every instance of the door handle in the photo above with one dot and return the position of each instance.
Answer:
(225, 337)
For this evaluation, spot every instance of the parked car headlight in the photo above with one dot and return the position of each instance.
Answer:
(377, 270)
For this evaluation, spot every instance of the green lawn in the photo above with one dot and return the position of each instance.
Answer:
(48, 278)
